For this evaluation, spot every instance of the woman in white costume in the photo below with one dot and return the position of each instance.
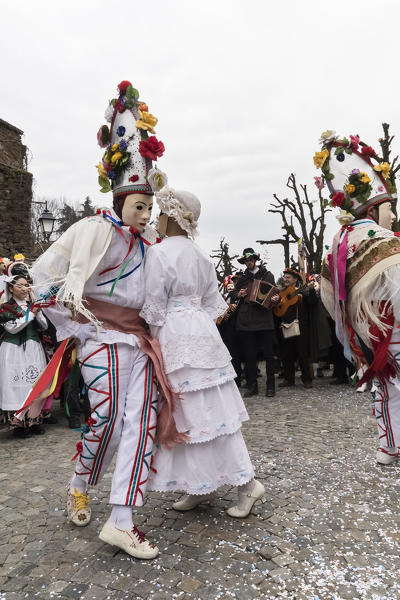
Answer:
(181, 305)
(22, 358)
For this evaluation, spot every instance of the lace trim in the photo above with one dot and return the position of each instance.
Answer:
(187, 386)
(207, 435)
(225, 479)
(153, 314)
(203, 352)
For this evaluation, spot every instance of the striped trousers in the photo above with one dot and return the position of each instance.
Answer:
(386, 399)
(123, 401)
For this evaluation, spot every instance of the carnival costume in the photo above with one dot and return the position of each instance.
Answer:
(95, 275)
(181, 305)
(22, 358)
(360, 283)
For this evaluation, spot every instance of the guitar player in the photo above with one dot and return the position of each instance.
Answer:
(297, 348)
(255, 324)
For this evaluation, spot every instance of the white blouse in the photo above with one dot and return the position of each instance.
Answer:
(182, 302)
(128, 291)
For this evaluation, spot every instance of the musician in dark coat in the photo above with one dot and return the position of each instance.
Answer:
(297, 348)
(255, 324)
(227, 326)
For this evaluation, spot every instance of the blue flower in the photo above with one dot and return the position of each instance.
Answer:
(111, 174)
(121, 131)
(340, 157)
(123, 144)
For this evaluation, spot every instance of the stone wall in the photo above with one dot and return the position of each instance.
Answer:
(15, 193)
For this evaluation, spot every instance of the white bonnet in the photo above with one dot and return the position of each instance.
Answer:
(184, 207)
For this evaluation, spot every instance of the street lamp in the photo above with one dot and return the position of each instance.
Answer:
(46, 220)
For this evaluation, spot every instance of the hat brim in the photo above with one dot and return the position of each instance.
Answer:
(242, 259)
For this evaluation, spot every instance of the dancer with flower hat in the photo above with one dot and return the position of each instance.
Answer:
(92, 280)
(181, 305)
(360, 283)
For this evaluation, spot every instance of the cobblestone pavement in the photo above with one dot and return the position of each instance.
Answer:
(328, 528)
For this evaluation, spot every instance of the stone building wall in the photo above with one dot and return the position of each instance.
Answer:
(15, 193)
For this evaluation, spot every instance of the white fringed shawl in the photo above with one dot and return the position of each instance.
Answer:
(69, 262)
(372, 277)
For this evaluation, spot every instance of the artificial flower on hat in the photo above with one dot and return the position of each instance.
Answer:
(354, 181)
(129, 150)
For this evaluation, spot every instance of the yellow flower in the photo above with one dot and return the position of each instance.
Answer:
(384, 168)
(350, 188)
(147, 121)
(101, 170)
(364, 178)
(114, 147)
(320, 158)
(115, 158)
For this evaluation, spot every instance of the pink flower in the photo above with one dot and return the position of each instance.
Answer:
(381, 188)
(103, 136)
(319, 182)
(354, 142)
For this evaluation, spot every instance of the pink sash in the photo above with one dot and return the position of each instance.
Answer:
(127, 320)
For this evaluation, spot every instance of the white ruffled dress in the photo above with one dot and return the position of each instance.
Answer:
(181, 304)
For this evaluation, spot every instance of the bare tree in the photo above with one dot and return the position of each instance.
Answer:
(223, 266)
(302, 217)
(54, 205)
(386, 149)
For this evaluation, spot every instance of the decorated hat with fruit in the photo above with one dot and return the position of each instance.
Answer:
(356, 176)
(130, 146)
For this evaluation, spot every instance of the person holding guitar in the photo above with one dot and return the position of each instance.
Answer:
(293, 310)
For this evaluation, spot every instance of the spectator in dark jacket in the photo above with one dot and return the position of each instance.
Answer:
(297, 348)
(254, 324)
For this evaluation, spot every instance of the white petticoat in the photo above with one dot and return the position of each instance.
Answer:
(216, 453)
(19, 370)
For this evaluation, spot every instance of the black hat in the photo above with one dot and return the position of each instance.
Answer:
(294, 273)
(248, 253)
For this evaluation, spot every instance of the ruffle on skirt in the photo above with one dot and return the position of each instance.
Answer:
(202, 468)
(216, 453)
(208, 413)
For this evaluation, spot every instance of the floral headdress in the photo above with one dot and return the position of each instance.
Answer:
(129, 149)
(183, 207)
(227, 281)
(354, 181)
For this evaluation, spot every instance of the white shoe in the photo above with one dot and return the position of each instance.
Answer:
(247, 501)
(191, 501)
(132, 541)
(386, 458)
(78, 509)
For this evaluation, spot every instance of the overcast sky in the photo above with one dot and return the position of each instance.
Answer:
(242, 91)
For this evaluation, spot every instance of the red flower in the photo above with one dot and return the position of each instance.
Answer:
(133, 178)
(368, 151)
(350, 228)
(122, 87)
(151, 148)
(353, 247)
(337, 199)
(91, 421)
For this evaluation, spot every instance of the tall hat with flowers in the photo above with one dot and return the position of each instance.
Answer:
(356, 177)
(130, 146)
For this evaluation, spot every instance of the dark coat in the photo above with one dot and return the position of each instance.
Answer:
(251, 317)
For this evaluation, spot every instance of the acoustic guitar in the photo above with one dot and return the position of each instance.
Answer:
(289, 297)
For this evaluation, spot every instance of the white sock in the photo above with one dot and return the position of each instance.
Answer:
(77, 483)
(121, 516)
